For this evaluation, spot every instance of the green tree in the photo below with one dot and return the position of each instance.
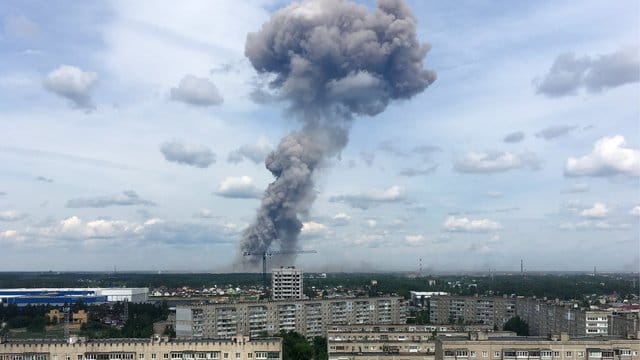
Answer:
(295, 346)
(517, 325)
(320, 348)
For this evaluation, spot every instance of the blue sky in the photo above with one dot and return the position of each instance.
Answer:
(129, 138)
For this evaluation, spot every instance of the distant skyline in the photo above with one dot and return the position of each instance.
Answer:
(133, 134)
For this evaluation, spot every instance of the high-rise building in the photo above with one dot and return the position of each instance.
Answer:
(494, 311)
(310, 317)
(287, 284)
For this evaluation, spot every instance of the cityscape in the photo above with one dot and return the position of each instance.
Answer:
(319, 180)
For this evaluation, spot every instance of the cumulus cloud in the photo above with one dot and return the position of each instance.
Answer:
(341, 219)
(491, 162)
(312, 228)
(238, 188)
(414, 240)
(514, 137)
(635, 211)
(255, 152)
(609, 157)
(372, 197)
(196, 91)
(44, 179)
(73, 84)
(11, 215)
(553, 132)
(569, 73)
(598, 210)
(198, 156)
(126, 198)
(205, 214)
(411, 172)
(594, 225)
(464, 224)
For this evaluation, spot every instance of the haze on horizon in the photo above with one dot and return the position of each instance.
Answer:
(134, 135)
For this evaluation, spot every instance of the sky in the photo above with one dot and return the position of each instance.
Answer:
(133, 136)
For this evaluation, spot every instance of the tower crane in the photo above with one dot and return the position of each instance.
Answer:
(266, 254)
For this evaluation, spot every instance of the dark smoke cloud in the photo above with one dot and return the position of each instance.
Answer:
(330, 60)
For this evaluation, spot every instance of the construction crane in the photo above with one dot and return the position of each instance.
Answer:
(266, 254)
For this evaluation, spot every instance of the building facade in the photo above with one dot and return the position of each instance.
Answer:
(390, 342)
(63, 296)
(238, 348)
(287, 284)
(308, 317)
(478, 346)
(493, 311)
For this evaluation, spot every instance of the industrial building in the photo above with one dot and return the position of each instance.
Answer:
(480, 346)
(157, 348)
(287, 284)
(308, 317)
(62, 296)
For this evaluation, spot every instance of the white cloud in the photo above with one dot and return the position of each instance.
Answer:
(414, 240)
(196, 91)
(609, 157)
(126, 198)
(635, 211)
(11, 215)
(9, 234)
(198, 156)
(598, 210)
(205, 214)
(72, 83)
(491, 162)
(238, 187)
(255, 152)
(311, 228)
(341, 219)
(372, 197)
(464, 224)
(494, 194)
(372, 223)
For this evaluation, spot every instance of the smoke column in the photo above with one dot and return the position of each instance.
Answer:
(330, 60)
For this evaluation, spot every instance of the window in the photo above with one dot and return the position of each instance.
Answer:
(625, 351)
(226, 355)
(485, 354)
(556, 353)
(580, 353)
(472, 353)
(165, 356)
(153, 356)
(545, 353)
(237, 355)
(496, 354)
(568, 354)
(140, 356)
(80, 357)
(249, 355)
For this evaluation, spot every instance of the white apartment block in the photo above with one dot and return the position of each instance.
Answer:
(287, 284)
(237, 348)
(311, 317)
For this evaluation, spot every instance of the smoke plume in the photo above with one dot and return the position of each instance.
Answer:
(330, 60)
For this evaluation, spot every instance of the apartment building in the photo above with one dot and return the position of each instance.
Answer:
(479, 346)
(388, 342)
(625, 324)
(238, 348)
(287, 284)
(494, 311)
(308, 317)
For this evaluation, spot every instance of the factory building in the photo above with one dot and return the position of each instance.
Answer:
(480, 346)
(308, 317)
(239, 348)
(287, 284)
(62, 296)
